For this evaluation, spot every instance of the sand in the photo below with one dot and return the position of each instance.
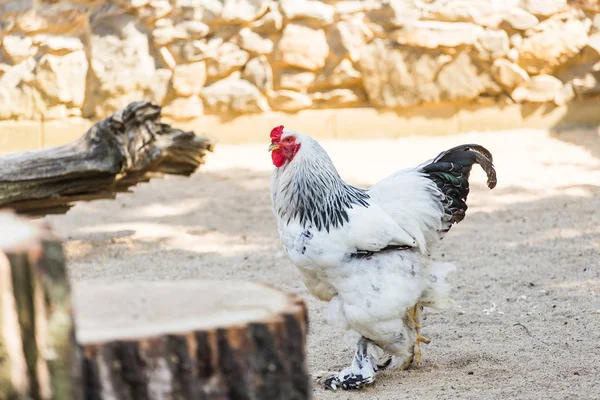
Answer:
(527, 319)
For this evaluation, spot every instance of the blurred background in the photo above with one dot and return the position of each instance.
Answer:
(233, 68)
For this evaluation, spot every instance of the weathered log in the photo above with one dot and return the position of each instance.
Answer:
(39, 358)
(189, 340)
(116, 153)
(195, 339)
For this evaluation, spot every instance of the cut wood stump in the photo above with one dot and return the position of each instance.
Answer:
(192, 339)
(39, 358)
(129, 147)
(196, 339)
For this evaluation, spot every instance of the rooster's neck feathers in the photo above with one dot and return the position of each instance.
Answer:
(310, 191)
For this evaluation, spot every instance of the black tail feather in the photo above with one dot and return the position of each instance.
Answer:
(450, 171)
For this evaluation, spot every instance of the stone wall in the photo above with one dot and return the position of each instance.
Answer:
(61, 59)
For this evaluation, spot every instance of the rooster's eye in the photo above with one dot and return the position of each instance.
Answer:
(287, 139)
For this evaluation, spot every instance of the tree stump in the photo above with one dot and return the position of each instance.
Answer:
(197, 339)
(129, 147)
(192, 339)
(38, 353)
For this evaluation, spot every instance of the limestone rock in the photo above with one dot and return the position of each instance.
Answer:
(271, 22)
(580, 67)
(11, 12)
(17, 48)
(394, 13)
(400, 77)
(520, 19)
(131, 4)
(253, 42)
(314, 10)
(587, 85)
(539, 89)
(565, 94)
(189, 79)
(588, 5)
(120, 63)
(58, 44)
(337, 98)
(233, 94)
(55, 17)
(351, 7)
(63, 78)
(168, 31)
(243, 10)
(594, 42)
(154, 10)
(159, 87)
(508, 74)
(596, 22)
(296, 79)
(207, 11)
(3, 67)
(303, 47)
(184, 51)
(457, 10)
(516, 40)
(434, 34)
(342, 75)
(350, 37)
(258, 72)
(184, 108)
(224, 58)
(56, 112)
(165, 33)
(19, 99)
(544, 8)
(492, 44)
(378, 30)
(487, 13)
(165, 58)
(288, 100)
(461, 80)
(551, 43)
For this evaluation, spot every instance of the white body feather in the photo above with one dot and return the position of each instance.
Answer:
(370, 295)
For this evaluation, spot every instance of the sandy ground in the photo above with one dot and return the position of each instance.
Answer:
(527, 320)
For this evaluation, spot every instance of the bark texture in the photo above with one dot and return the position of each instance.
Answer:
(116, 153)
(251, 356)
(40, 358)
(189, 340)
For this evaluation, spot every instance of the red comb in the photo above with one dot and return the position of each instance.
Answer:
(276, 133)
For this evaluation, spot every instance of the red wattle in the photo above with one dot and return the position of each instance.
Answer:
(278, 158)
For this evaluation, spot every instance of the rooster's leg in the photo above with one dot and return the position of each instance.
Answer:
(357, 375)
(414, 317)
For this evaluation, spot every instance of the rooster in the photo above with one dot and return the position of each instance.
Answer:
(368, 252)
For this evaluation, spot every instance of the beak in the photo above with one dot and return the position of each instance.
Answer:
(273, 146)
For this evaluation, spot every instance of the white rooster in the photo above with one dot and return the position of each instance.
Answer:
(367, 252)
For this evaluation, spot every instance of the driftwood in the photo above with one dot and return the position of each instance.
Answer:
(194, 339)
(116, 153)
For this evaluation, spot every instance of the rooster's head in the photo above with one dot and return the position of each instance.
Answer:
(284, 146)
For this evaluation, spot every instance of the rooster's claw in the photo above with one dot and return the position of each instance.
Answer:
(348, 382)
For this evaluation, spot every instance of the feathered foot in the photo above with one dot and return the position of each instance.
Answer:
(413, 315)
(358, 375)
(384, 360)
(383, 364)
